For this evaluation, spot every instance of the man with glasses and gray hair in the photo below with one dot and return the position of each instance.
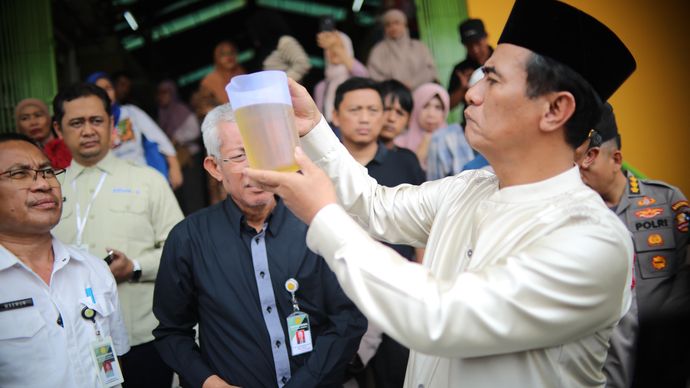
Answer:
(270, 311)
(58, 305)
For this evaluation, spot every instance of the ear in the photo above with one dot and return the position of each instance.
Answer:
(561, 106)
(212, 167)
(334, 118)
(590, 157)
(618, 158)
(57, 129)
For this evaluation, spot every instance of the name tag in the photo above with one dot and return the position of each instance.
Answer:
(299, 331)
(105, 362)
(16, 304)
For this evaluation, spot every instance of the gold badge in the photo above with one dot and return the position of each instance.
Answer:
(646, 201)
(654, 240)
(659, 262)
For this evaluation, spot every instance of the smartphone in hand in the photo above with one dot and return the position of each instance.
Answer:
(109, 259)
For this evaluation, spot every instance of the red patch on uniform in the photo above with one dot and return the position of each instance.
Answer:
(679, 205)
(646, 201)
(654, 240)
(649, 213)
(659, 262)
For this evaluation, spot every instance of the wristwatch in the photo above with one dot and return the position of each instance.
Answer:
(136, 271)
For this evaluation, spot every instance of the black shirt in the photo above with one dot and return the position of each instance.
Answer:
(206, 276)
(394, 167)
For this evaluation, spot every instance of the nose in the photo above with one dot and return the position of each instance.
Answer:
(40, 182)
(474, 93)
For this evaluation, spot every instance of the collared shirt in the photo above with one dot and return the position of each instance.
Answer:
(208, 276)
(35, 350)
(394, 167)
(449, 152)
(133, 212)
(513, 290)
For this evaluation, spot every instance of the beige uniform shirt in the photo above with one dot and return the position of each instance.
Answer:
(520, 287)
(133, 212)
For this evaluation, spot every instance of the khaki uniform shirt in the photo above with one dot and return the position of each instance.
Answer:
(133, 212)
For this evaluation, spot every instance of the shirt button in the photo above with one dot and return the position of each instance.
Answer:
(420, 386)
(277, 344)
(262, 274)
(256, 240)
(469, 253)
(283, 380)
(269, 308)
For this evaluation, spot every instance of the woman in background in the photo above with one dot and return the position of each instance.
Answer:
(33, 120)
(182, 126)
(131, 125)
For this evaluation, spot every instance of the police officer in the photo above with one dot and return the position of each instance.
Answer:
(656, 214)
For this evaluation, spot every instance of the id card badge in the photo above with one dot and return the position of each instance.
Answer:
(299, 332)
(105, 362)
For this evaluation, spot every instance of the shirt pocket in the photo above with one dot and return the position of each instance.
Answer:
(20, 324)
(103, 307)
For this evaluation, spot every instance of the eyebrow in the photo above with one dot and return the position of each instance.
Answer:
(491, 70)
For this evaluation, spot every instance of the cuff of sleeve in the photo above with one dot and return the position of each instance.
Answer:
(320, 141)
(330, 230)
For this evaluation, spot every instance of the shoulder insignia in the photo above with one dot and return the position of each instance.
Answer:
(646, 201)
(649, 212)
(659, 262)
(679, 204)
(634, 184)
(682, 222)
(655, 240)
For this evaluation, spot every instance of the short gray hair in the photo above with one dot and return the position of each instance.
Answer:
(209, 128)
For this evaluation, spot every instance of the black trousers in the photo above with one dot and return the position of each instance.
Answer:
(142, 367)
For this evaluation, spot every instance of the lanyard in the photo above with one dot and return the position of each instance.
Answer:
(81, 221)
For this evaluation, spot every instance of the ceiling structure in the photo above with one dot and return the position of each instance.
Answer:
(175, 38)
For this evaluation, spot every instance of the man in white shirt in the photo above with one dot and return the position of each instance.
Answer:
(526, 271)
(58, 305)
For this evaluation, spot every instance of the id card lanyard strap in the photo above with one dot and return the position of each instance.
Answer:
(81, 221)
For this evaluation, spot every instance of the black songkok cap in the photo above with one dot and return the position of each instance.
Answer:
(607, 127)
(573, 38)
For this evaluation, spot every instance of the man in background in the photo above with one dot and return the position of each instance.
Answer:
(241, 270)
(656, 214)
(119, 206)
(475, 39)
(47, 286)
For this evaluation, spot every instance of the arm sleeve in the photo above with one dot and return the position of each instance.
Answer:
(118, 331)
(619, 366)
(358, 69)
(152, 131)
(164, 214)
(338, 344)
(540, 296)
(175, 307)
(399, 215)
(188, 131)
(295, 57)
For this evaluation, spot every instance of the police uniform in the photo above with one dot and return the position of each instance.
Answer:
(656, 214)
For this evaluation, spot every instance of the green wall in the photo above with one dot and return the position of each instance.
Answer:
(27, 56)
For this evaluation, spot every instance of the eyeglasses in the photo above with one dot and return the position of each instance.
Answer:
(239, 158)
(26, 176)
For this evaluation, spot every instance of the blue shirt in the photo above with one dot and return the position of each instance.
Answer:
(448, 152)
(208, 275)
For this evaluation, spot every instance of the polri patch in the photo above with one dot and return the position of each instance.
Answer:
(646, 201)
(659, 262)
(649, 212)
(679, 205)
(655, 240)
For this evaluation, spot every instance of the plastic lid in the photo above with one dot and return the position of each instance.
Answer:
(263, 87)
